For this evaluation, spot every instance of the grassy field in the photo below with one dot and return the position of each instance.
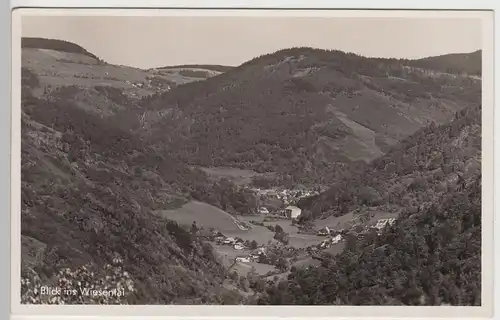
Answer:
(208, 216)
(307, 262)
(336, 223)
(296, 239)
(205, 215)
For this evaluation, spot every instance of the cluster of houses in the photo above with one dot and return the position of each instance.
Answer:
(254, 256)
(286, 195)
(337, 237)
(239, 244)
(325, 244)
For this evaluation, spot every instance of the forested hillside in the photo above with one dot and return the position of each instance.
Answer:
(88, 188)
(432, 255)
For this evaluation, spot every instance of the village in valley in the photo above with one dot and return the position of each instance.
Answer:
(271, 242)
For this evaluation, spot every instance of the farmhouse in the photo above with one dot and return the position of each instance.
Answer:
(263, 210)
(292, 212)
(238, 247)
(242, 259)
(260, 250)
(382, 222)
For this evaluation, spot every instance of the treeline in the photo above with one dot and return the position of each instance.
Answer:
(54, 44)
(213, 67)
(452, 63)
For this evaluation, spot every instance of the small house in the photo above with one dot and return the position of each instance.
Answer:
(324, 232)
(242, 259)
(293, 212)
(229, 241)
(220, 239)
(239, 246)
(263, 210)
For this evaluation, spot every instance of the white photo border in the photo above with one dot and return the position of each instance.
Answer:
(237, 311)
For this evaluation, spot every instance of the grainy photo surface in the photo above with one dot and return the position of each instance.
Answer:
(250, 160)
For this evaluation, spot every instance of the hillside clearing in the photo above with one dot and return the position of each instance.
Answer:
(205, 215)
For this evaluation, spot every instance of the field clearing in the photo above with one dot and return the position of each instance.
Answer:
(304, 240)
(243, 268)
(336, 223)
(336, 248)
(307, 262)
(297, 240)
(204, 214)
(208, 216)
(377, 215)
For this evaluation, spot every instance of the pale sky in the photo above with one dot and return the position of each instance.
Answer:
(147, 42)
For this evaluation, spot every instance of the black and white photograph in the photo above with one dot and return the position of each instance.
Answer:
(257, 160)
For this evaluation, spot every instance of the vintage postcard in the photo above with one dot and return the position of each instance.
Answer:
(227, 162)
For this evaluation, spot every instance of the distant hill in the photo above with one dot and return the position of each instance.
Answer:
(64, 69)
(453, 63)
(213, 67)
(303, 112)
(432, 255)
(54, 44)
(105, 146)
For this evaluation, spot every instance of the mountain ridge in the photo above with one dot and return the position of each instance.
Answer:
(270, 95)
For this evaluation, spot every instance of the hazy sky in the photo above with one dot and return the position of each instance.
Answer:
(147, 42)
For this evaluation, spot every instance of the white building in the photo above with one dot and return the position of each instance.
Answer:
(239, 246)
(263, 210)
(293, 212)
(242, 259)
(324, 232)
